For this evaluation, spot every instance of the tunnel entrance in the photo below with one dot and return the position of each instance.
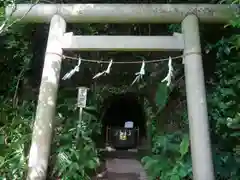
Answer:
(121, 108)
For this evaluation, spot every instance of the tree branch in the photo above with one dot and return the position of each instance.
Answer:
(5, 26)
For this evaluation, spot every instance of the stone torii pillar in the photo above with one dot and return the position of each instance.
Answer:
(196, 101)
(123, 13)
(45, 114)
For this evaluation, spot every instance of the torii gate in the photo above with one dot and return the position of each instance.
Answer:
(187, 14)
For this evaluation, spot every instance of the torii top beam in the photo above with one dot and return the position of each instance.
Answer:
(123, 13)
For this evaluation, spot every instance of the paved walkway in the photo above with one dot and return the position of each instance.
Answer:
(124, 169)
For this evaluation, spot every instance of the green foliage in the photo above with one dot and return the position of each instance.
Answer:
(15, 58)
(73, 157)
(15, 134)
(161, 96)
(172, 160)
(15, 117)
(74, 151)
(224, 105)
(224, 114)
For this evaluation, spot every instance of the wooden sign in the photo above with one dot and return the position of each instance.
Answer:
(82, 97)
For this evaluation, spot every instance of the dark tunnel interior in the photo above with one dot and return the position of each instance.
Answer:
(124, 107)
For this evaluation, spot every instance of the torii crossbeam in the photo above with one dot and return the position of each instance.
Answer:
(187, 14)
(123, 13)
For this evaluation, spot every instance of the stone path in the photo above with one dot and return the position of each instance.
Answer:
(125, 169)
(121, 165)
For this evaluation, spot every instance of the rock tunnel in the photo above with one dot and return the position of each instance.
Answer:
(124, 107)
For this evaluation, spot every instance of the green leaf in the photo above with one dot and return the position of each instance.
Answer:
(161, 96)
(1, 13)
(182, 172)
(151, 165)
(145, 159)
(91, 164)
(2, 159)
(235, 134)
(175, 177)
(1, 140)
(184, 145)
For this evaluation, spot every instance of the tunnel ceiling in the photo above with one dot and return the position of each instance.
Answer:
(123, 107)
